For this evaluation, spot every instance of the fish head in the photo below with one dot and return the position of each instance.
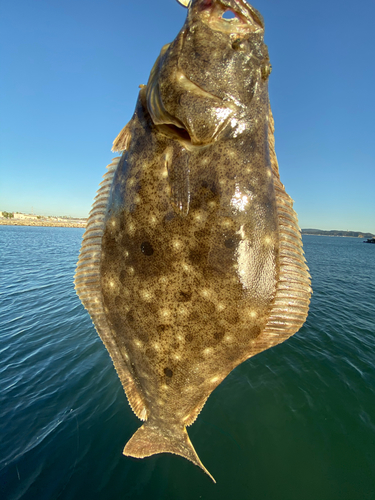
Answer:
(212, 79)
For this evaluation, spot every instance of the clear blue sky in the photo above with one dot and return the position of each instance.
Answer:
(69, 80)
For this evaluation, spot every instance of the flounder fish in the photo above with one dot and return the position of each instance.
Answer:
(192, 258)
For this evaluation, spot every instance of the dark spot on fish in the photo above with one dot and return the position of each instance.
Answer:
(230, 174)
(150, 353)
(168, 372)
(189, 337)
(142, 334)
(219, 334)
(162, 329)
(196, 256)
(251, 332)
(146, 248)
(110, 244)
(123, 276)
(152, 307)
(213, 188)
(255, 331)
(232, 317)
(207, 307)
(124, 239)
(204, 184)
(193, 316)
(230, 242)
(130, 317)
(184, 296)
(169, 216)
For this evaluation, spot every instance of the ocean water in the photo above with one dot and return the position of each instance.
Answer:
(296, 422)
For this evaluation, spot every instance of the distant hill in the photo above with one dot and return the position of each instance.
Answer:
(334, 232)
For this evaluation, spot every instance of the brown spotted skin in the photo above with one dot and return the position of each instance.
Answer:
(187, 295)
(192, 258)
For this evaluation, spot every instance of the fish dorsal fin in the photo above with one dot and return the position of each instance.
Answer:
(121, 143)
(293, 291)
(177, 165)
(87, 285)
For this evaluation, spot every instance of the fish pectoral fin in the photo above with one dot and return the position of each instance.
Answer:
(121, 143)
(177, 163)
(150, 439)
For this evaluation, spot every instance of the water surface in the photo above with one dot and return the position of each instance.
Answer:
(296, 422)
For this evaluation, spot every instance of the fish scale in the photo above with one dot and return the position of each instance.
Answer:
(192, 258)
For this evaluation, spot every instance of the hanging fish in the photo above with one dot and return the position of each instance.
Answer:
(192, 258)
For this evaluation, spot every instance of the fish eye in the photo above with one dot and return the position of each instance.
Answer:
(146, 248)
(238, 44)
(266, 71)
(230, 242)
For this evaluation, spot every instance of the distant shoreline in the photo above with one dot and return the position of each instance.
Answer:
(82, 225)
(67, 223)
(40, 223)
(336, 232)
(333, 235)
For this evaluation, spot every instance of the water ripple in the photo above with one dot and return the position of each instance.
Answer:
(303, 410)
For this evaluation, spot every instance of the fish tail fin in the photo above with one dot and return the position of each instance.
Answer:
(150, 439)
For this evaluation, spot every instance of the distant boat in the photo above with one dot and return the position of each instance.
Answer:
(370, 240)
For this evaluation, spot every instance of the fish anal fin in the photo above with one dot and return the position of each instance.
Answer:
(87, 285)
(118, 356)
(151, 439)
(133, 394)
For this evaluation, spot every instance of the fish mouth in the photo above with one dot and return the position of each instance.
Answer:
(178, 133)
(229, 16)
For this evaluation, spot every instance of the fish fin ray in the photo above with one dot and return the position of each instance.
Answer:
(150, 439)
(194, 415)
(121, 143)
(271, 144)
(87, 285)
(293, 289)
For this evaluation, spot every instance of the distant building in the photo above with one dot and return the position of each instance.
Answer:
(24, 216)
